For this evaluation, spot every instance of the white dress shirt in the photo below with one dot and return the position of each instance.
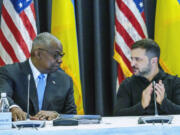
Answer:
(36, 73)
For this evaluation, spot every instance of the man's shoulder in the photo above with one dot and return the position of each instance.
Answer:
(170, 77)
(129, 80)
(15, 68)
(61, 74)
(10, 67)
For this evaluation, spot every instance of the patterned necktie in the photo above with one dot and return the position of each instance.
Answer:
(40, 89)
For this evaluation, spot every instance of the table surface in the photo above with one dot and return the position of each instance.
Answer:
(108, 126)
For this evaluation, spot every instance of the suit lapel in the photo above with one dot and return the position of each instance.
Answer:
(33, 91)
(50, 83)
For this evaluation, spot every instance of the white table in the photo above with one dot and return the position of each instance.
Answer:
(108, 126)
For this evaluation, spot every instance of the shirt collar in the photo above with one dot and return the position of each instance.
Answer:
(160, 75)
(35, 71)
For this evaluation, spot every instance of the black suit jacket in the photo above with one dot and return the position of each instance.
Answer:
(58, 95)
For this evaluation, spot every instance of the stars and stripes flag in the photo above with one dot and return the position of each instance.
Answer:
(17, 30)
(129, 27)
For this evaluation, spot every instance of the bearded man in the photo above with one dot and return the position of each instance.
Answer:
(135, 94)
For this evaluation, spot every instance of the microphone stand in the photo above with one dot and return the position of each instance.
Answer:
(156, 118)
(155, 103)
(29, 79)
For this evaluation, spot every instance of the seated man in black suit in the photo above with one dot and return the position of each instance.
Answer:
(51, 90)
(135, 94)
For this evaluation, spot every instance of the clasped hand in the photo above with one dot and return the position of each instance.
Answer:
(146, 95)
(19, 114)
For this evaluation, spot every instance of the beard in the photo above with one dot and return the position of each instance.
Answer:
(144, 71)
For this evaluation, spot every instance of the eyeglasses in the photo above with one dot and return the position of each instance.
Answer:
(56, 55)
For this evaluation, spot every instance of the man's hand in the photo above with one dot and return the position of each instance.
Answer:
(160, 90)
(146, 96)
(18, 114)
(45, 115)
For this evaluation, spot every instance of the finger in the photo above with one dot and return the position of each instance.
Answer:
(51, 118)
(24, 116)
(19, 113)
(159, 91)
(38, 114)
(158, 95)
(14, 117)
(160, 82)
(159, 98)
(150, 86)
(150, 91)
(159, 87)
(43, 117)
(19, 116)
(56, 115)
(34, 118)
(51, 115)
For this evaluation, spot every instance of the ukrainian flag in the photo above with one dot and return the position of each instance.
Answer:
(167, 34)
(63, 26)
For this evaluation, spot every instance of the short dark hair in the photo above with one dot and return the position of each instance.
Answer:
(151, 47)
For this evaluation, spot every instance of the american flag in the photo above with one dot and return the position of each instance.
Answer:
(129, 27)
(17, 30)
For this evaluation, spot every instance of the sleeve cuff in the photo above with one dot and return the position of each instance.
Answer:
(141, 110)
(14, 106)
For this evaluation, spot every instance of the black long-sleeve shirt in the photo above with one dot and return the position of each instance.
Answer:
(129, 96)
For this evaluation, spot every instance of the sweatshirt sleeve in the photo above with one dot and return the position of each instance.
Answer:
(171, 104)
(123, 103)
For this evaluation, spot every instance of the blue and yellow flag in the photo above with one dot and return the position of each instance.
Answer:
(167, 34)
(63, 26)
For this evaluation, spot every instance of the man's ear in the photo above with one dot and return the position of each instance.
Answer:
(37, 54)
(154, 60)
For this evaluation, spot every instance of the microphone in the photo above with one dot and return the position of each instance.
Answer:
(71, 119)
(29, 79)
(155, 103)
(156, 118)
(28, 122)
